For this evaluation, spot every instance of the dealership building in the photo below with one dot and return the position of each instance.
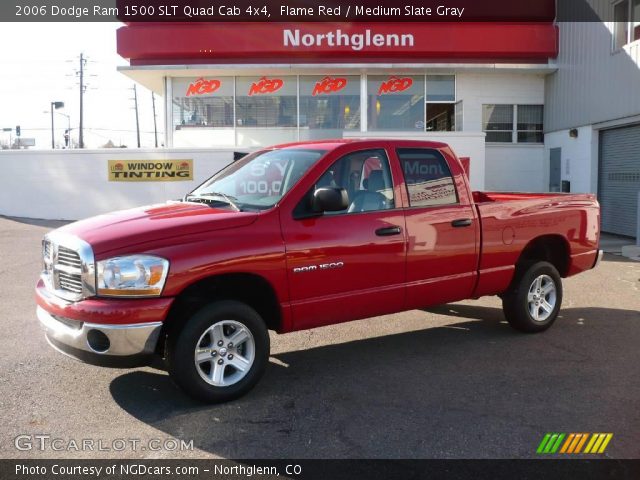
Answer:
(535, 106)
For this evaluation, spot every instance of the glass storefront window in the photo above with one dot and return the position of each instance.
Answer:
(395, 102)
(268, 101)
(441, 88)
(268, 109)
(441, 107)
(202, 102)
(330, 102)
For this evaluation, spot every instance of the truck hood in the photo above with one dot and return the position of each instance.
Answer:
(127, 228)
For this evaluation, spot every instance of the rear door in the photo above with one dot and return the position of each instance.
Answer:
(349, 264)
(442, 229)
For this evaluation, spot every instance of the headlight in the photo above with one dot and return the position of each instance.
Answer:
(132, 276)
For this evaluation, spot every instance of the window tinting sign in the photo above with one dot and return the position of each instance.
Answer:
(150, 171)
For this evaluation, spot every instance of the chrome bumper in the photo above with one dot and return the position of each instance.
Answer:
(598, 258)
(75, 338)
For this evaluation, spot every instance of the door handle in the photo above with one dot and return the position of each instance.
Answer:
(462, 222)
(387, 231)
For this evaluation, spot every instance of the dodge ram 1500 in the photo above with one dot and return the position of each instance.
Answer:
(299, 236)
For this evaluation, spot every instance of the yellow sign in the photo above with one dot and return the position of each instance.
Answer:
(150, 170)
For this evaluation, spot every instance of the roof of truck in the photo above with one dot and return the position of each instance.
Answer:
(330, 144)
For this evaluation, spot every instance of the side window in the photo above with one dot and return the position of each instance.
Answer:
(427, 177)
(366, 177)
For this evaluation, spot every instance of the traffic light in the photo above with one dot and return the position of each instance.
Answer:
(17, 130)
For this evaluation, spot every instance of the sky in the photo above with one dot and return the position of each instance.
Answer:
(38, 64)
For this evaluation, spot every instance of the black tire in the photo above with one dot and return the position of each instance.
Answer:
(518, 309)
(181, 352)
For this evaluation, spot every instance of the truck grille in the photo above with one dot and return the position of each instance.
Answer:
(68, 266)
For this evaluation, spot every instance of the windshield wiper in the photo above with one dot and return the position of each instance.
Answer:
(212, 197)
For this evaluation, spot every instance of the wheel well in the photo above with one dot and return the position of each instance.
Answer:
(247, 288)
(549, 248)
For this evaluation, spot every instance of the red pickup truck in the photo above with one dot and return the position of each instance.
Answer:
(299, 236)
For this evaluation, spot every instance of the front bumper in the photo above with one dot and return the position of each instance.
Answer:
(598, 258)
(99, 344)
(106, 332)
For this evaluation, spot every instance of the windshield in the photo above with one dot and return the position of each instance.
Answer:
(259, 180)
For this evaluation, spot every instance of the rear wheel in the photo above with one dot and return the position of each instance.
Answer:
(221, 352)
(534, 301)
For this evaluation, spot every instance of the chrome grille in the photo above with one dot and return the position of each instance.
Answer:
(68, 266)
(68, 257)
(70, 282)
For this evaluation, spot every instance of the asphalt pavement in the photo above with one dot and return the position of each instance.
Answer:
(450, 382)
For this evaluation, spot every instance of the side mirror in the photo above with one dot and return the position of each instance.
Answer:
(330, 200)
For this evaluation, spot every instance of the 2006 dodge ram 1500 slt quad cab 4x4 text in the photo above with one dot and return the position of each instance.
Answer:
(296, 237)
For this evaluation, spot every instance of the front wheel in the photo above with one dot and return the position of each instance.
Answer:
(534, 300)
(221, 352)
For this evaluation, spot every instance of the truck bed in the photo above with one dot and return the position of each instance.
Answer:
(511, 223)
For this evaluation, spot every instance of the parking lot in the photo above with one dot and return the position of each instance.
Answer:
(450, 382)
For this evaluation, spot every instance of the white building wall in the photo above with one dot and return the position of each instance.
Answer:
(515, 167)
(73, 184)
(579, 157)
(594, 82)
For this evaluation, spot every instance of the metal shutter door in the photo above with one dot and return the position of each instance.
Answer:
(619, 179)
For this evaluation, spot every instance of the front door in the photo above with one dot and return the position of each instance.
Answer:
(348, 264)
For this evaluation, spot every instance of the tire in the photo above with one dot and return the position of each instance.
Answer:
(217, 374)
(535, 282)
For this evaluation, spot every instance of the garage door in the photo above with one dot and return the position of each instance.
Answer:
(619, 179)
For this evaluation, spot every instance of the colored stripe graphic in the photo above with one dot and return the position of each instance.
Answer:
(582, 442)
(543, 443)
(598, 442)
(553, 443)
(550, 443)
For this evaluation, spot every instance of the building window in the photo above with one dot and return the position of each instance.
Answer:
(427, 176)
(202, 102)
(266, 101)
(530, 123)
(501, 122)
(626, 26)
(497, 122)
(441, 99)
(395, 102)
(330, 102)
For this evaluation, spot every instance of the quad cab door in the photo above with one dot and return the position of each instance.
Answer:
(442, 228)
(348, 264)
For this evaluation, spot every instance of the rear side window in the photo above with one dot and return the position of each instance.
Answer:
(427, 177)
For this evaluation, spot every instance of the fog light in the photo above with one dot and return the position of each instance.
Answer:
(98, 341)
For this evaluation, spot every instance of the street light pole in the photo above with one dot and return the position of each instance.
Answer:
(54, 106)
(53, 136)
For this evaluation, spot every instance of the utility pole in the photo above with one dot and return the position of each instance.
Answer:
(135, 99)
(53, 136)
(81, 74)
(155, 124)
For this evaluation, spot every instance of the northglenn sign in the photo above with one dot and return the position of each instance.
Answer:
(338, 38)
(269, 43)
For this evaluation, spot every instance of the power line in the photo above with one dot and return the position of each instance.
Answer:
(135, 100)
(155, 123)
(81, 134)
